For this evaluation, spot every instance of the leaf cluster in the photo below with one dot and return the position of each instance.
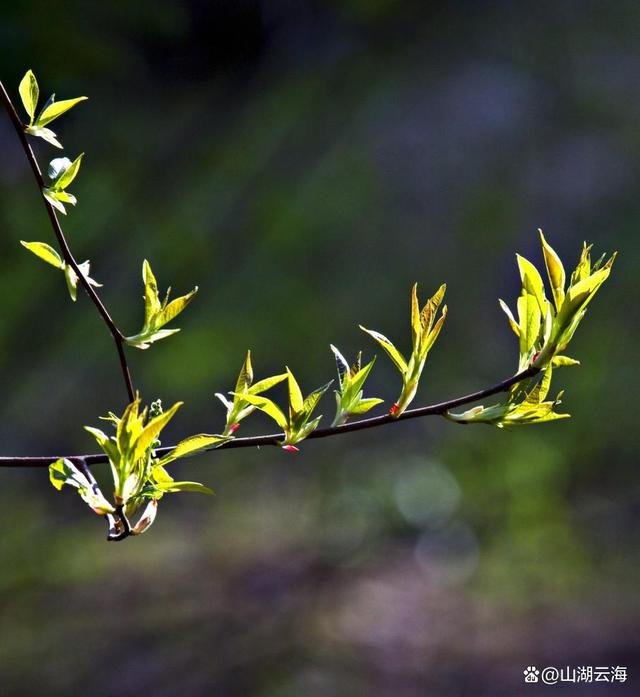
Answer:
(351, 378)
(30, 94)
(139, 477)
(298, 424)
(425, 328)
(545, 327)
(157, 313)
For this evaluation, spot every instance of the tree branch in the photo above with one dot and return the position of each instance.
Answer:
(438, 409)
(117, 335)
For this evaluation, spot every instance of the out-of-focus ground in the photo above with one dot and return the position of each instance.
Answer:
(304, 163)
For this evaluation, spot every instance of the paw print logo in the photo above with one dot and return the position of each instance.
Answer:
(531, 674)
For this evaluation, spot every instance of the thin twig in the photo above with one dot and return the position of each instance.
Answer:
(438, 409)
(117, 335)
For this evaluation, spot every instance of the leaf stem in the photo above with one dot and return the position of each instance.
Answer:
(438, 409)
(117, 335)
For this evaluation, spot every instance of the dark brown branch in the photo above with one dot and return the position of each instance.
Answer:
(438, 409)
(117, 335)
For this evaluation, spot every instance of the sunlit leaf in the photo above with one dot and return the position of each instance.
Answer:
(45, 252)
(193, 445)
(55, 109)
(555, 271)
(268, 407)
(389, 348)
(69, 174)
(245, 378)
(510, 317)
(296, 402)
(531, 281)
(29, 93)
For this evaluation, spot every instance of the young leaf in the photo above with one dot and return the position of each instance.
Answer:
(65, 178)
(555, 272)
(29, 93)
(191, 446)
(268, 406)
(63, 471)
(54, 109)
(390, 349)
(531, 281)
(156, 313)
(45, 252)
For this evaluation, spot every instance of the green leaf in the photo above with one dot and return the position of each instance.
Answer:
(312, 400)
(558, 361)
(531, 281)
(245, 378)
(364, 405)
(72, 282)
(296, 402)
(151, 431)
(54, 109)
(530, 318)
(29, 93)
(416, 324)
(192, 445)
(144, 340)
(429, 339)
(156, 314)
(65, 197)
(174, 308)
(151, 300)
(389, 348)
(357, 381)
(428, 314)
(172, 487)
(555, 272)
(268, 407)
(52, 197)
(267, 383)
(510, 317)
(45, 252)
(69, 174)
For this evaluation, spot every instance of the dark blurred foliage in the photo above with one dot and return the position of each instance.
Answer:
(303, 162)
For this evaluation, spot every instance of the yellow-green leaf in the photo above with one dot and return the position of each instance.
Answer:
(55, 109)
(245, 378)
(192, 445)
(45, 252)
(530, 318)
(29, 93)
(531, 281)
(296, 402)
(268, 406)
(151, 431)
(65, 179)
(174, 308)
(416, 326)
(555, 271)
(151, 301)
(267, 383)
(389, 348)
(510, 317)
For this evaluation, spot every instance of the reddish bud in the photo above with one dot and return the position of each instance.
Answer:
(233, 428)
(290, 448)
(394, 409)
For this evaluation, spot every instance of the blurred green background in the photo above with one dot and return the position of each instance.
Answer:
(303, 163)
